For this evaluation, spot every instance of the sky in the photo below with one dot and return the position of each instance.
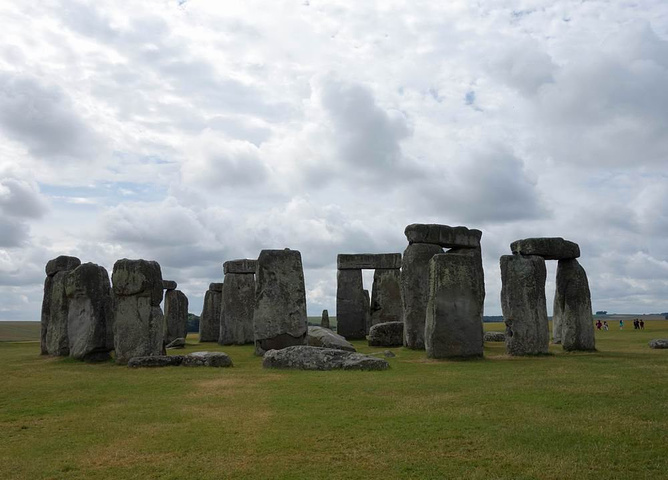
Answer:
(194, 132)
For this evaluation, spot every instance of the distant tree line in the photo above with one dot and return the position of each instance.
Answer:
(193, 323)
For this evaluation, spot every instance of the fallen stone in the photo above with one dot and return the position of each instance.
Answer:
(90, 313)
(139, 325)
(176, 315)
(279, 316)
(169, 285)
(443, 235)
(415, 291)
(352, 308)
(323, 337)
(453, 327)
(523, 304)
(238, 301)
(155, 361)
(176, 343)
(368, 261)
(244, 265)
(207, 359)
(316, 358)
(389, 354)
(572, 320)
(494, 337)
(63, 263)
(389, 334)
(658, 343)
(209, 319)
(324, 320)
(550, 248)
(386, 297)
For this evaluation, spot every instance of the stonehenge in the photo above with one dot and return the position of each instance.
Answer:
(238, 298)
(279, 315)
(324, 337)
(390, 334)
(176, 313)
(353, 315)
(523, 276)
(139, 324)
(54, 318)
(317, 358)
(324, 319)
(209, 320)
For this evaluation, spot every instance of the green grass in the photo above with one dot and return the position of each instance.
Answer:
(19, 331)
(563, 416)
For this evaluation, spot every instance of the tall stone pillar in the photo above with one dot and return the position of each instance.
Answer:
(176, 313)
(352, 308)
(209, 320)
(572, 307)
(386, 296)
(54, 339)
(236, 321)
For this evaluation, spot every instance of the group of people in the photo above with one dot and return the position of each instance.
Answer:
(638, 324)
(603, 325)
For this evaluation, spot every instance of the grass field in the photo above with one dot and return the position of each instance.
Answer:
(563, 416)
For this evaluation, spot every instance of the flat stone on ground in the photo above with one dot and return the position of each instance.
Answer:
(388, 334)
(324, 337)
(443, 235)
(177, 343)
(494, 337)
(659, 343)
(207, 359)
(155, 361)
(315, 358)
(550, 248)
(368, 261)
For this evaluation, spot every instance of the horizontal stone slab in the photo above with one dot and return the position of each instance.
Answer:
(243, 265)
(61, 264)
(443, 235)
(550, 248)
(368, 261)
(169, 285)
(155, 361)
(216, 287)
(303, 357)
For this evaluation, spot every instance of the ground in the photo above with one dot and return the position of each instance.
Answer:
(566, 415)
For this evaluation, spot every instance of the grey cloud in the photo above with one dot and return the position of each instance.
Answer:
(13, 232)
(18, 198)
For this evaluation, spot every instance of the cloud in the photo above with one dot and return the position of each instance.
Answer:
(19, 198)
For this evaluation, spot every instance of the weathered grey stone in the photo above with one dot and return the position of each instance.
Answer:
(389, 354)
(324, 337)
(523, 304)
(155, 361)
(139, 325)
(176, 315)
(572, 307)
(324, 320)
(279, 316)
(367, 311)
(415, 291)
(138, 277)
(90, 314)
(236, 321)
(368, 261)
(316, 358)
(494, 337)
(453, 326)
(216, 287)
(389, 334)
(176, 343)
(352, 308)
(550, 248)
(45, 314)
(244, 265)
(209, 319)
(658, 343)
(386, 297)
(443, 235)
(63, 263)
(169, 285)
(207, 359)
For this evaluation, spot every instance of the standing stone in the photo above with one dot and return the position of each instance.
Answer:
(53, 338)
(523, 304)
(238, 300)
(572, 301)
(324, 320)
(90, 314)
(453, 326)
(415, 291)
(367, 311)
(386, 297)
(390, 334)
(209, 320)
(139, 325)
(279, 317)
(176, 315)
(352, 308)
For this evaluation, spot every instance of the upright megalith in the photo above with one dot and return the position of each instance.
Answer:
(139, 324)
(523, 304)
(279, 316)
(352, 307)
(367, 310)
(386, 296)
(572, 307)
(54, 318)
(324, 319)
(90, 313)
(176, 315)
(453, 326)
(415, 290)
(238, 300)
(209, 320)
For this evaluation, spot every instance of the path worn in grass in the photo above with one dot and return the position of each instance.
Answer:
(600, 415)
